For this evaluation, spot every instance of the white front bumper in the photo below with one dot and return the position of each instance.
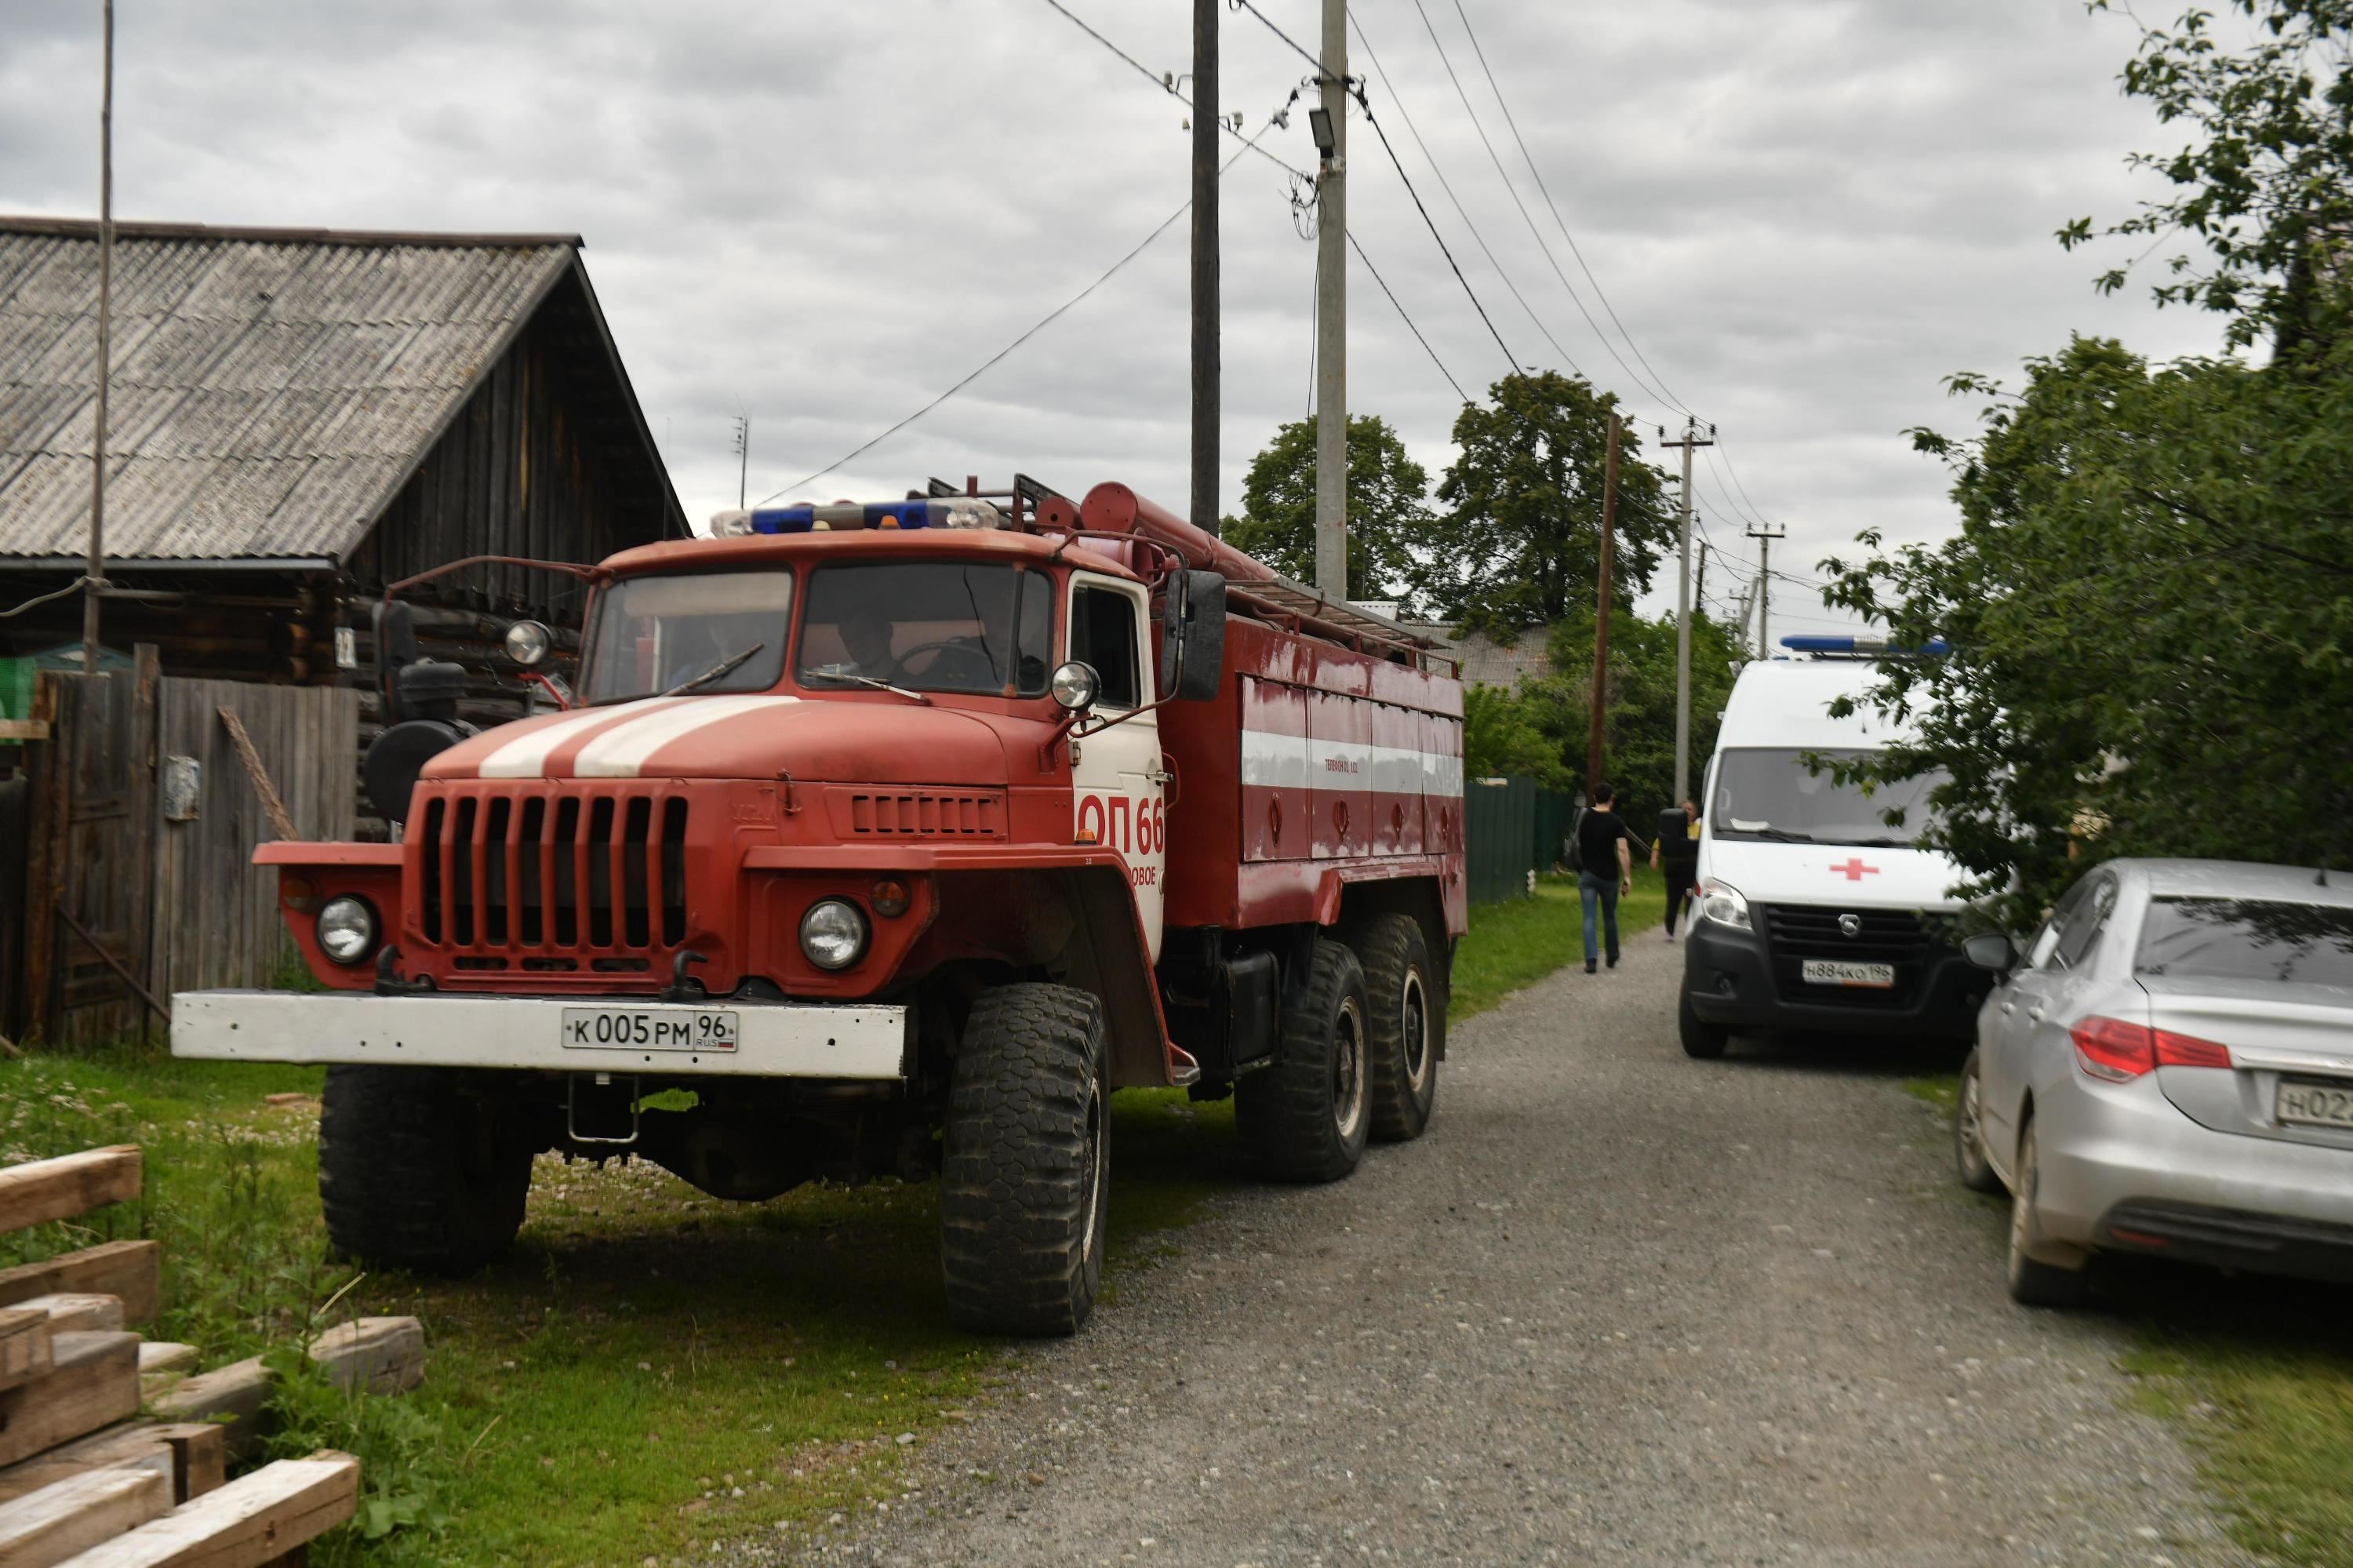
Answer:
(776, 1040)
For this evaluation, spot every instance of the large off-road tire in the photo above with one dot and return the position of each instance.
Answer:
(1703, 1040)
(1405, 1024)
(1025, 1182)
(1970, 1162)
(414, 1173)
(1307, 1117)
(2033, 1283)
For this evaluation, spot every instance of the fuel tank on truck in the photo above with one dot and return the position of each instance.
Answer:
(884, 740)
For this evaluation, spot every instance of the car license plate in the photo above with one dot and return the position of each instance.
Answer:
(1839, 972)
(2315, 1105)
(647, 1029)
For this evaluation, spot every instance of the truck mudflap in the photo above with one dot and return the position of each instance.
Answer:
(552, 1034)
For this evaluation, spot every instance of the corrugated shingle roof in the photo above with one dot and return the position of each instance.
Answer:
(271, 388)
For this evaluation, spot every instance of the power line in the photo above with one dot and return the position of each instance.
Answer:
(1529, 159)
(1529, 219)
(1169, 86)
(1398, 165)
(1043, 322)
(1295, 46)
(1409, 320)
(1448, 186)
(1735, 479)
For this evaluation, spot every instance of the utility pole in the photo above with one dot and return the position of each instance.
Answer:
(1683, 611)
(1206, 370)
(1601, 624)
(1765, 535)
(743, 455)
(95, 574)
(1329, 123)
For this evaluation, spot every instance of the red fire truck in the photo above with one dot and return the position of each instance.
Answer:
(902, 834)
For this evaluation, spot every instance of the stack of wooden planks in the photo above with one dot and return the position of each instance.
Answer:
(84, 1479)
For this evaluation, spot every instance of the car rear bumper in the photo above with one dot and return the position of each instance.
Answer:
(2227, 1238)
(1729, 977)
(2121, 1156)
(776, 1040)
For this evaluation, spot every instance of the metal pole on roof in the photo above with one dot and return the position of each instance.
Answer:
(94, 578)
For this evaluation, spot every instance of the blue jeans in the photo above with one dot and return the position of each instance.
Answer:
(1592, 889)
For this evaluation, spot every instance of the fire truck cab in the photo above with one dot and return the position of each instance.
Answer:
(903, 834)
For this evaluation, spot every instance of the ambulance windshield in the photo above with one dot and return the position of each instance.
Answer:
(1769, 793)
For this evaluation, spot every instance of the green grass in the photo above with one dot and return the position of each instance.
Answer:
(1516, 942)
(650, 1371)
(646, 1354)
(2255, 1375)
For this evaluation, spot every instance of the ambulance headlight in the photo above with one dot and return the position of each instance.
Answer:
(833, 934)
(346, 929)
(1722, 903)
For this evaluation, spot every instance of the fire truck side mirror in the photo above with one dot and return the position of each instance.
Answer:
(1193, 636)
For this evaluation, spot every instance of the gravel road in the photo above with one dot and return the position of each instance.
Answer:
(1615, 1307)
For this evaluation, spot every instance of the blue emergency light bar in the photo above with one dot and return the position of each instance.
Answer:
(1859, 647)
(845, 516)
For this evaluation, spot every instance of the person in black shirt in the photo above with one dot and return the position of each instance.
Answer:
(1677, 849)
(1606, 870)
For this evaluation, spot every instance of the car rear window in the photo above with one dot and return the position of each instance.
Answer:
(2244, 938)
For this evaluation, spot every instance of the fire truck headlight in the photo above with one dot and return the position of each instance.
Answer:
(833, 934)
(346, 929)
(528, 643)
(1075, 685)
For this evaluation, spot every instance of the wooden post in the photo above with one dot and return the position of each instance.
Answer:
(1601, 624)
(280, 822)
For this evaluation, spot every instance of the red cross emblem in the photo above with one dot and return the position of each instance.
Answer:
(1854, 870)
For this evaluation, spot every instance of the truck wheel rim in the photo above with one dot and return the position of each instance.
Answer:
(1415, 1027)
(1348, 1070)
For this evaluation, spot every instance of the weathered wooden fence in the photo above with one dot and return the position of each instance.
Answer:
(121, 901)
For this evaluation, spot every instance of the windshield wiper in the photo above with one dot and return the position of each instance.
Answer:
(877, 683)
(1778, 835)
(1880, 844)
(725, 667)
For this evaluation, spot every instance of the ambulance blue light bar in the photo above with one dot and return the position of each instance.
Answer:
(1861, 647)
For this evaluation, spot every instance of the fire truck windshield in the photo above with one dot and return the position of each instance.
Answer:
(654, 634)
(929, 626)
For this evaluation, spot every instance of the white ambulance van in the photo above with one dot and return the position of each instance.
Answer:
(1809, 905)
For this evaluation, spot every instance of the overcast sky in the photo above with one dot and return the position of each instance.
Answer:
(1806, 212)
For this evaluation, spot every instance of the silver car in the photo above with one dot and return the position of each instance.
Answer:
(2168, 1070)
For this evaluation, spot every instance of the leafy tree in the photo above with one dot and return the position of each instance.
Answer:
(2150, 599)
(1638, 716)
(1522, 546)
(1500, 734)
(2150, 603)
(1388, 515)
(2269, 190)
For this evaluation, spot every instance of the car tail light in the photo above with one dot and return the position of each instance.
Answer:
(2118, 1052)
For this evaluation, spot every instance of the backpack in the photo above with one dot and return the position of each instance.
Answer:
(1574, 858)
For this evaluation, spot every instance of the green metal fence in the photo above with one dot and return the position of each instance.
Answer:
(1499, 825)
